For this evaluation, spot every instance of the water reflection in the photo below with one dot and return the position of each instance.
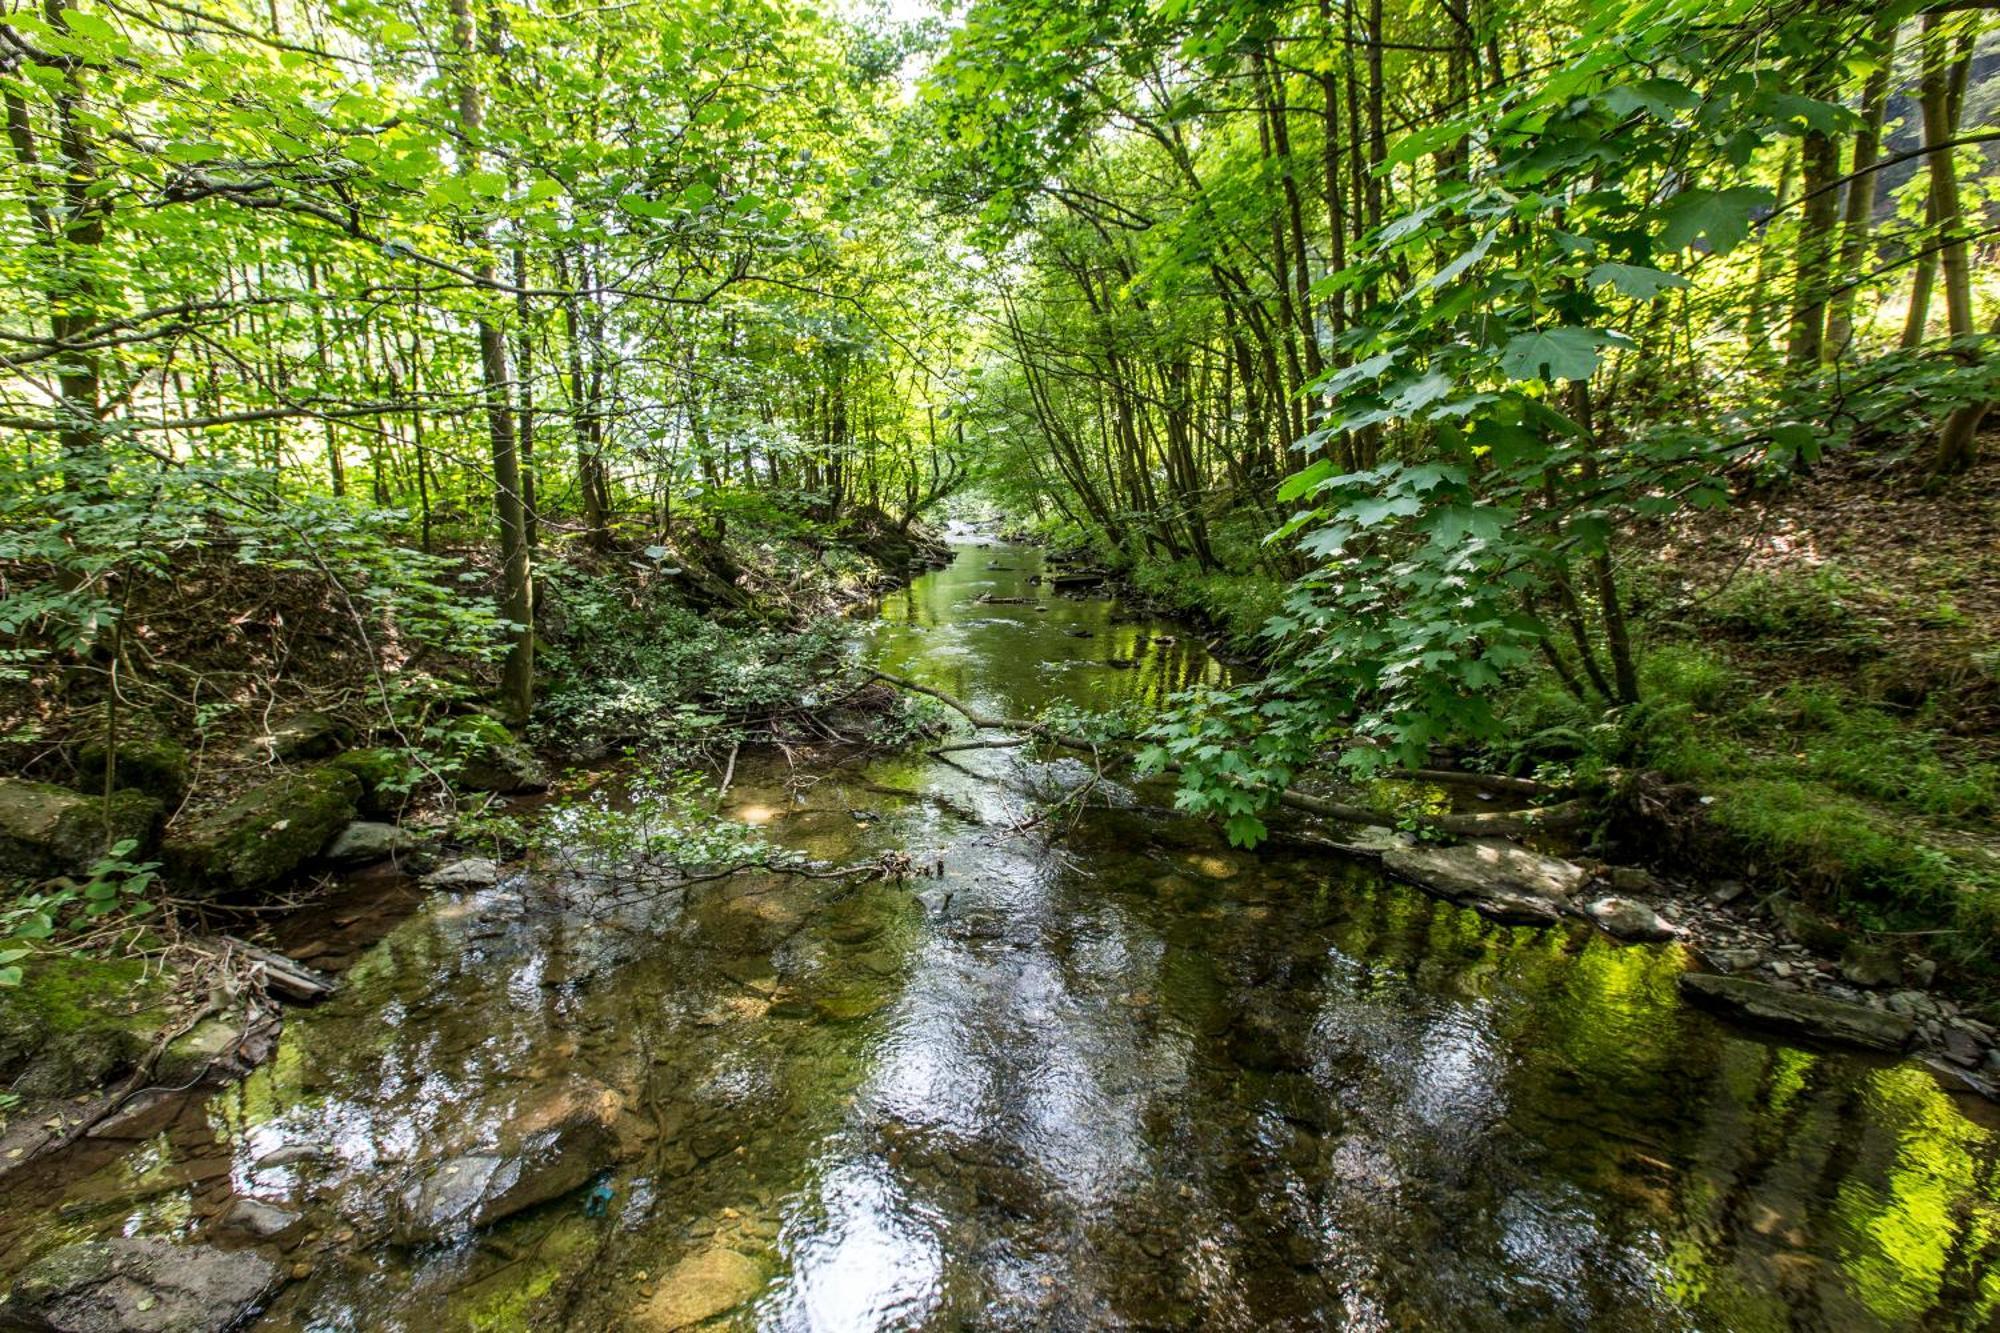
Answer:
(1135, 1080)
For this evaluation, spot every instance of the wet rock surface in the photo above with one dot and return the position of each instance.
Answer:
(698, 1289)
(136, 1285)
(564, 1135)
(1816, 1016)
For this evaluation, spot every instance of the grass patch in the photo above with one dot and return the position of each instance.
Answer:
(1828, 792)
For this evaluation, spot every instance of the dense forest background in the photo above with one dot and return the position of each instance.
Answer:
(353, 355)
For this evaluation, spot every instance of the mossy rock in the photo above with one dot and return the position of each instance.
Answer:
(74, 1023)
(384, 775)
(50, 830)
(145, 758)
(266, 835)
(492, 759)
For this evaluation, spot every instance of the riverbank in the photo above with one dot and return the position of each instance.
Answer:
(330, 749)
(1816, 680)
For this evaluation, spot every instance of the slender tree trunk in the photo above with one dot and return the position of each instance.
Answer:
(517, 598)
(1858, 216)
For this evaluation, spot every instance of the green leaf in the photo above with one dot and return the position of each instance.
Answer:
(1722, 216)
(1635, 280)
(1568, 352)
(1304, 480)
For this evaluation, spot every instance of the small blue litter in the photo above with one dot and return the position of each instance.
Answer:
(598, 1202)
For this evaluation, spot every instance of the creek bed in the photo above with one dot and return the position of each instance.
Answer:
(1135, 1079)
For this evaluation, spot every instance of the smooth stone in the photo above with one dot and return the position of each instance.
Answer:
(365, 841)
(1631, 879)
(1629, 920)
(51, 830)
(256, 1219)
(698, 1289)
(1799, 1012)
(1962, 1048)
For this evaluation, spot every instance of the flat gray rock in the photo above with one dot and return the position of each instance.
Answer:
(1798, 1012)
(132, 1284)
(474, 872)
(1493, 877)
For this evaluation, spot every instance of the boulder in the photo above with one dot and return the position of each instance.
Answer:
(1629, 920)
(1799, 1012)
(699, 1288)
(144, 758)
(385, 776)
(49, 830)
(266, 835)
(1631, 879)
(565, 1134)
(364, 842)
(1870, 965)
(493, 760)
(1495, 878)
(308, 735)
(473, 872)
(1808, 927)
(74, 1023)
(133, 1284)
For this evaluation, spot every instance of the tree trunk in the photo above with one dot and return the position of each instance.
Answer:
(517, 600)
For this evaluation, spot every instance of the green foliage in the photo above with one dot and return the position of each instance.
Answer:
(40, 918)
(654, 675)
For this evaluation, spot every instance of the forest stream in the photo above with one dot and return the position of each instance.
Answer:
(1123, 1077)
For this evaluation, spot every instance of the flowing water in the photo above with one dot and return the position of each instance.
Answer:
(1108, 1075)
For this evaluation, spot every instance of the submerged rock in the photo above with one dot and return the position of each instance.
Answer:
(699, 1288)
(1629, 920)
(1493, 877)
(265, 835)
(131, 1284)
(1800, 1012)
(365, 841)
(51, 830)
(255, 1219)
(568, 1133)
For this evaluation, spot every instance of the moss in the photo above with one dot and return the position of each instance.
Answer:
(76, 1021)
(145, 758)
(491, 759)
(384, 774)
(265, 835)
